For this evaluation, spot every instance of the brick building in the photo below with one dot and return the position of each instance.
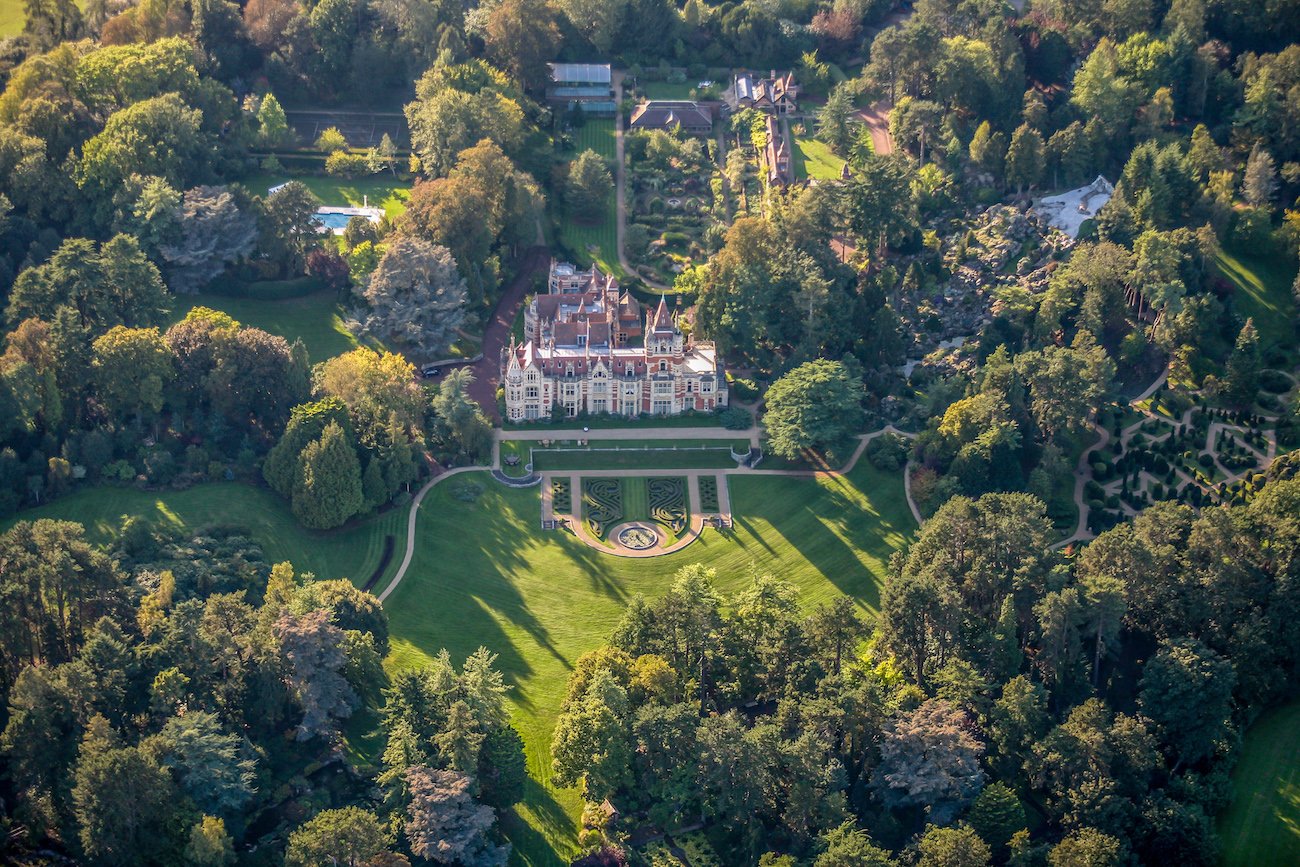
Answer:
(587, 349)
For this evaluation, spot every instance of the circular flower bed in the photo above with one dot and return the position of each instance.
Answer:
(638, 537)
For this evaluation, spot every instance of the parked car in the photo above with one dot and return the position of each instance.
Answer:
(430, 370)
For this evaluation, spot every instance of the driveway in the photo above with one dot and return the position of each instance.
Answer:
(487, 370)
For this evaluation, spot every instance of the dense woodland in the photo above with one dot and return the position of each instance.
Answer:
(1097, 699)
(1011, 703)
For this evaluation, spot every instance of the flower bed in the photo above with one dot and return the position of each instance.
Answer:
(709, 494)
(602, 503)
(561, 497)
(668, 502)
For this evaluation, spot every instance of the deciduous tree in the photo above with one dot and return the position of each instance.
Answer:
(817, 406)
(131, 368)
(348, 837)
(589, 186)
(928, 758)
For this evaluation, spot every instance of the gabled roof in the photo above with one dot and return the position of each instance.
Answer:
(663, 320)
(662, 114)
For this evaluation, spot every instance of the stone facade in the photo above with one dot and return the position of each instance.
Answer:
(587, 350)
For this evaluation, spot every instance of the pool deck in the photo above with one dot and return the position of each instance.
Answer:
(374, 215)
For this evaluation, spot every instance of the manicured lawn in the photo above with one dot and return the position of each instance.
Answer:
(597, 134)
(352, 552)
(317, 319)
(814, 159)
(638, 455)
(13, 16)
(595, 241)
(381, 190)
(1262, 827)
(1263, 292)
(668, 89)
(485, 574)
(518, 449)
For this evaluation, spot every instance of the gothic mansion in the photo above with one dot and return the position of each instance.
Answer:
(587, 349)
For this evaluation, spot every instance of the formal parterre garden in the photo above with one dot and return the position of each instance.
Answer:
(562, 496)
(602, 504)
(709, 494)
(668, 504)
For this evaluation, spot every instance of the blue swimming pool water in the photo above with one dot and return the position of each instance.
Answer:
(331, 220)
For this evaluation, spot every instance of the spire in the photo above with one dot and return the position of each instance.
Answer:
(663, 319)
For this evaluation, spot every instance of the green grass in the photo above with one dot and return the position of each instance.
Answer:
(518, 449)
(1264, 292)
(598, 134)
(317, 319)
(668, 89)
(485, 574)
(639, 454)
(12, 17)
(382, 190)
(352, 552)
(636, 503)
(814, 159)
(1262, 827)
(596, 241)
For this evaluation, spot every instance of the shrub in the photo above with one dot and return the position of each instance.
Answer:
(119, 471)
(735, 418)
(344, 164)
(742, 389)
(887, 452)
(1274, 381)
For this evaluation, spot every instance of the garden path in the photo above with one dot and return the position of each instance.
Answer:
(620, 186)
(487, 370)
(724, 496)
(1083, 472)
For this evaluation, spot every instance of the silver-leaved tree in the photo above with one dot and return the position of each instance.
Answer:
(415, 300)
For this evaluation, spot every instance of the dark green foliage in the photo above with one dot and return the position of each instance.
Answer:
(817, 406)
(997, 814)
(668, 502)
(327, 485)
(602, 503)
(306, 423)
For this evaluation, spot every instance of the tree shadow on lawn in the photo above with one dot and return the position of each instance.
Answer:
(471, 560)
(530, 841)
(752, 532)
(864, 534)
(510, 542)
